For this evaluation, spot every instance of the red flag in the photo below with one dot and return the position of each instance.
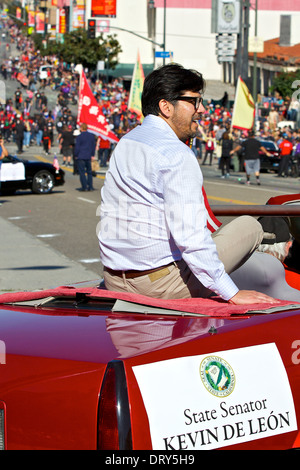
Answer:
(90, 112)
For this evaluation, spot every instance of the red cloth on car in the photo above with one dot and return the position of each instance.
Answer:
(213, 307)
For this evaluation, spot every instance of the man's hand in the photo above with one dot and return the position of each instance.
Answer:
(251, 297)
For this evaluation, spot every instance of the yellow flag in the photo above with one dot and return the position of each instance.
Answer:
(244, 107)
(137, 83)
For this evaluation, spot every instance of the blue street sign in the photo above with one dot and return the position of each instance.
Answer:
(164, 54)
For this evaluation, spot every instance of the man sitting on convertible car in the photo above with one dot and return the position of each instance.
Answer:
(154, 239)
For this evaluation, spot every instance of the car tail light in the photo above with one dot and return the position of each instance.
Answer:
(2, 426)
(114, 425)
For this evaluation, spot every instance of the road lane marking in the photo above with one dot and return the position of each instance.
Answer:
(90, 260)
(245, 203)
(86, 200)
(232, 201)
(48, 235)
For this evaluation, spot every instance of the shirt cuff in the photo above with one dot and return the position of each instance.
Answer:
(226, 288)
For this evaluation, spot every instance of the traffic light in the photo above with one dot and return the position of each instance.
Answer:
(91, 29)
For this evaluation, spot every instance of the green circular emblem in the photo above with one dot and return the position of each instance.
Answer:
(228, 12)
(217, 376)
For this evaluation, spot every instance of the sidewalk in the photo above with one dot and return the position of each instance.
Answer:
(34, 265)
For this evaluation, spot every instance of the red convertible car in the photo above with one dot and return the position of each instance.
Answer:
(85, 368)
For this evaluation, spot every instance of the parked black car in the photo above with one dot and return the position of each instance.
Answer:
(39, 177)
(269, 163)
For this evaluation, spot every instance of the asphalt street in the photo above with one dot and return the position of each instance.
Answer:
(49, 240)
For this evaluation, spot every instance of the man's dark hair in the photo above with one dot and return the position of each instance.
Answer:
(169, 82)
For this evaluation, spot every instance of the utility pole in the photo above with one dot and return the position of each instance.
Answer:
(255, 60)
(164, 29)
(239, 46)
(242, 42)
(244, 71)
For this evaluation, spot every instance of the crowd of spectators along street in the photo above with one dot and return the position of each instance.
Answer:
(27, 113)
(277, 121)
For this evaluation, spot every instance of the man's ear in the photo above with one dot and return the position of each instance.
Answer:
(288, 246)
(166, 108)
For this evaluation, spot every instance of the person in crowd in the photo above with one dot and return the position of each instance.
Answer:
(46, 140)
(67, 143)
(297, 154)
(3, 153)
(7, 127)
(27, 132)
(265, 269)
(18, 98)
(224, 100)
(226, 153)
(251, 149)
(209, 148)
(103, 150)
(273, 118)
(3, 149)
(38, 101)
(286, 148)
(84, 152)
(238, 150)
(39, 130)
(76, 133)
(293, 110)
(154, 239)
(50, 127)
(19, 130)
(43, 101)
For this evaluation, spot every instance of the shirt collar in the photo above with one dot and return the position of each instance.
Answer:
(157, 121)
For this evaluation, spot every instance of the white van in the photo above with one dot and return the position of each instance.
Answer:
(43, 71)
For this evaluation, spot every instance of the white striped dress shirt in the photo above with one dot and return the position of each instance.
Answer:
(152, 209)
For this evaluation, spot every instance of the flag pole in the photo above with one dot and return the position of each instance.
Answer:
(236, 92)
(79, 69)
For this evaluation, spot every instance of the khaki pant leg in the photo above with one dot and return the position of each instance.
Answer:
(234, 241)
(237, 240)
(178, 283)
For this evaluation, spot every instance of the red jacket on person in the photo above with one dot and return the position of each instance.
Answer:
(286, 147)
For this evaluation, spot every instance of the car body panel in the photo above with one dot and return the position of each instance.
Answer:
(70, 359)
(48, 374)
(250, 332)
(31, 169)
(43, 71)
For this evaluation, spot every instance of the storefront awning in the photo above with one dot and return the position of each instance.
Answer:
(125, 71)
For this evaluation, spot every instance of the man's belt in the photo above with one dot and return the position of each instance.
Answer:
(131, 274)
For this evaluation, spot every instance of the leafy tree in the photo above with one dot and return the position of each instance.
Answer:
(77, 48)
(283, 83)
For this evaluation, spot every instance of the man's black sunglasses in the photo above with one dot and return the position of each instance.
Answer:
(195, 100)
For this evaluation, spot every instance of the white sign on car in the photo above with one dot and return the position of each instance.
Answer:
(12, 171)
(216, 400)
